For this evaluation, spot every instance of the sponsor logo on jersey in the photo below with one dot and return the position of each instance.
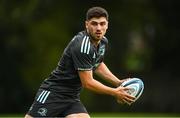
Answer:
(42, 111)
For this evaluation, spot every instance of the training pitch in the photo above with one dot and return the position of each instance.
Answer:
(113, 115)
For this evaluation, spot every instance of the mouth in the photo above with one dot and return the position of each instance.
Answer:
(98, 33)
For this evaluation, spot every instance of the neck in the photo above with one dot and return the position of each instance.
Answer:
(93, 40)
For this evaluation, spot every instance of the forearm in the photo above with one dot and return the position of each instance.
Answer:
(90, 83)
(98, 87)
(111, 79)
(107, 75)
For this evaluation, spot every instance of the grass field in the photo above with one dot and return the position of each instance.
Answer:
(112, 115)
(132, 115)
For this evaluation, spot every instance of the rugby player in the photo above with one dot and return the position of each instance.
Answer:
(59, 94)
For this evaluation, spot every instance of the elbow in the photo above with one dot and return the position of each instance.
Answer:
(87, 85)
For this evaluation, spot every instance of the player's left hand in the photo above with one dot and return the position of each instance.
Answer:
(123, 80)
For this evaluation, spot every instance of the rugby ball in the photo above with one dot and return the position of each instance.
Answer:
(136, 86)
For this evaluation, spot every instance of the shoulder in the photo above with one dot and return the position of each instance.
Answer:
(81, 43)
(78, 38)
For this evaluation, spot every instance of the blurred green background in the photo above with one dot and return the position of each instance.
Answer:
(144, 42)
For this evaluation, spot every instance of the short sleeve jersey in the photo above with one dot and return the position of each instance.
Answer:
(79, 55)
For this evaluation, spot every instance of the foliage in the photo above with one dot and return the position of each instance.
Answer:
(143, 37)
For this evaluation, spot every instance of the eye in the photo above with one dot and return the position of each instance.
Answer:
(102, 23)
(94, 23)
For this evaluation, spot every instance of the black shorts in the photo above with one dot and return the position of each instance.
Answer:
(51, 104)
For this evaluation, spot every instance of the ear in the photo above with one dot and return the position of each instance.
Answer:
(107, 24)
(86, 24)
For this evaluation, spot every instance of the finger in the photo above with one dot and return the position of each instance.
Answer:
(120, 88)
(120, 101)
(127, 79)
(126, 88)
(128, 101)
(130, 96)
(125, 101)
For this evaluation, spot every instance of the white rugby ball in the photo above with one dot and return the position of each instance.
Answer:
(136, 86)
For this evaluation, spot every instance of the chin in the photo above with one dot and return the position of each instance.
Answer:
(98, 38)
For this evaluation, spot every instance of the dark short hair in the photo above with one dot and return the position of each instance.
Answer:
(96, 12)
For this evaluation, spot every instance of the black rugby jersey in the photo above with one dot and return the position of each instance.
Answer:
(79, 55)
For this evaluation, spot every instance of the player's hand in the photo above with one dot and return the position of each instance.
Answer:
(123, 80)
(123, 97)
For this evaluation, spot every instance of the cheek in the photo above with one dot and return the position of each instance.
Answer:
(91, 29)
(104, 29)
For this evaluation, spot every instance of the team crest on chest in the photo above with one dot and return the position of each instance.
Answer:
(102, 50)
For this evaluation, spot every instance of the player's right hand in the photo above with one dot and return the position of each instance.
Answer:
(122, 96)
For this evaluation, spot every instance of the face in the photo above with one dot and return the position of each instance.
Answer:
(97, 27)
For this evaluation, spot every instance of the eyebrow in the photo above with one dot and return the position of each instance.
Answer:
(98, 22)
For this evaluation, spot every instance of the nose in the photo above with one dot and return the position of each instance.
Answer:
(98, 27)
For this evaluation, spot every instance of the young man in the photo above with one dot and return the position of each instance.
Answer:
(59, 94)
